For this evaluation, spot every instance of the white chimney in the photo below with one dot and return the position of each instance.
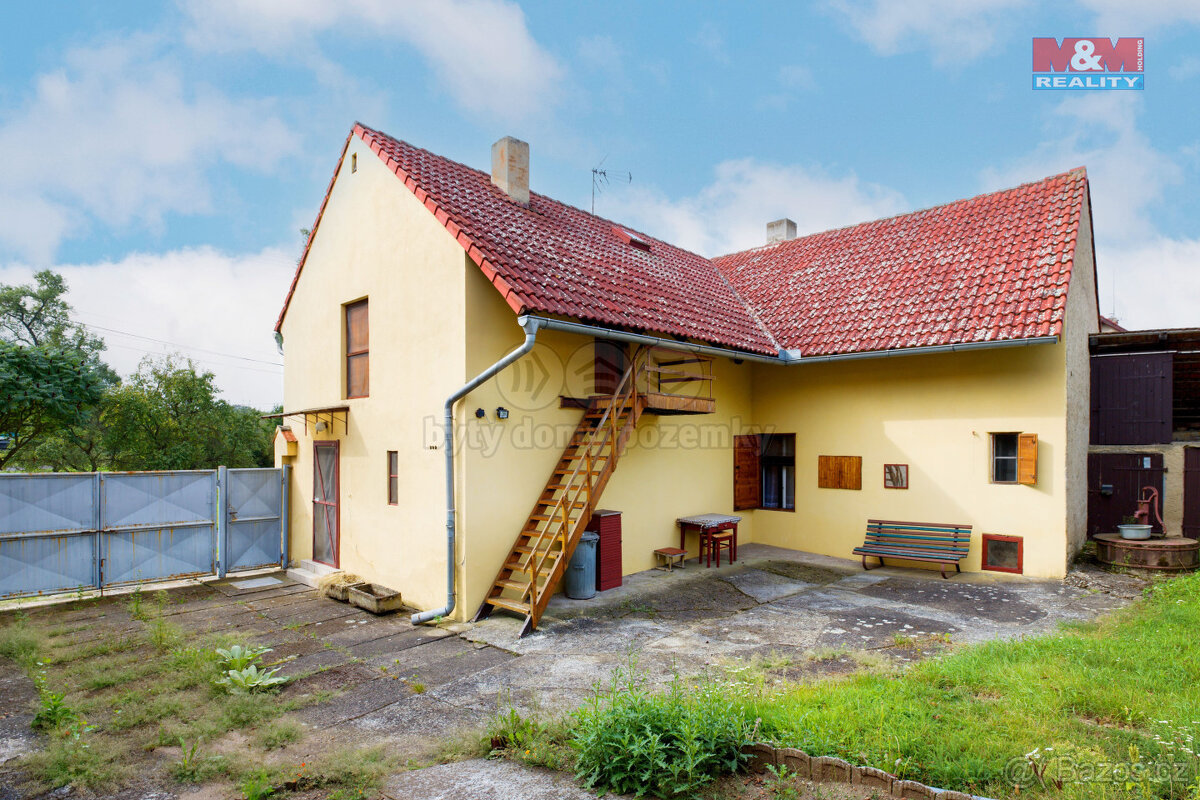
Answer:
(778, 231)
(510, 168)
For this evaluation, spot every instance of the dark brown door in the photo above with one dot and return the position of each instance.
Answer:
(611, 362)
(326, 513)
(747, 471)
(1191, 492)
(1115, 482)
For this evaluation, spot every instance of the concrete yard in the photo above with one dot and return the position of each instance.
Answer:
(413, 687)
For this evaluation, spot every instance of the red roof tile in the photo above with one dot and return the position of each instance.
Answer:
(988, 268)
(555, 259)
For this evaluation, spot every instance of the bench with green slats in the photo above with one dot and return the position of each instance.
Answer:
(915, 541)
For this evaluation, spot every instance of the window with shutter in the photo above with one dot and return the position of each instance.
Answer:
(358, 372)
(839, 472)
(778, 470)
(746, 476)
(1027, 458)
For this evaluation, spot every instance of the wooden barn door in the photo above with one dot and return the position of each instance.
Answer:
(1191, 492)
(1115, 481)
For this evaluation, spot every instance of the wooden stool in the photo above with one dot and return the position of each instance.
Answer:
(722, 540)
(670, 557)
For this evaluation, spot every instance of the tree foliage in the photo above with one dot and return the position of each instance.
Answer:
(63, 408)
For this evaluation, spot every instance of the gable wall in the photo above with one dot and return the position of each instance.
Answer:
(376, 240)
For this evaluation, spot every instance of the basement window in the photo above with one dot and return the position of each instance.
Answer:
(1003, 553)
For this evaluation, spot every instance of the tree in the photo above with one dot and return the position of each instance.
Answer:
(168, 416)
(44, 389)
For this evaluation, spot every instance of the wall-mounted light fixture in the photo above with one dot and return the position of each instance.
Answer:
(480, 413)
(322, 426)
(501, 413)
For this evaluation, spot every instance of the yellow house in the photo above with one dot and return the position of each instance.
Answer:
(472, 369)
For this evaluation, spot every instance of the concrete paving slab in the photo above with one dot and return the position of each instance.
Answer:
(395, 643)
(765, 586)
(483, 779)
(18, 697)
(870, 628)
(995, 603)
(417, 721)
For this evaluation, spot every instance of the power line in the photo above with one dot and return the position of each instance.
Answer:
(200, 360)
(177, 344)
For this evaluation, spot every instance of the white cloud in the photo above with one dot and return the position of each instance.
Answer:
(201, 299)
(115, 137)
(1122, 18)
(1186, 69)
(481, 50)
(1128, 174)
(732, 212)
(954, 30)
(1152, 283)
(710, 39)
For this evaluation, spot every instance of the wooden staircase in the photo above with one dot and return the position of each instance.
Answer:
(543, 548)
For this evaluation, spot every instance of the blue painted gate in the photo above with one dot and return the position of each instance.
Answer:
(63, 532)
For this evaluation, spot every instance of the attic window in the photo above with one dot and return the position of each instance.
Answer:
(631, 238)
(354, 162)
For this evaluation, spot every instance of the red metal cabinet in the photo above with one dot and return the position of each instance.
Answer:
(608, 558)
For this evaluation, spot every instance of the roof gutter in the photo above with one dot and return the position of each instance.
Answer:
(785, 357)
(530, 325)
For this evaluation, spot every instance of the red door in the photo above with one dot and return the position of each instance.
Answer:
(326, 519)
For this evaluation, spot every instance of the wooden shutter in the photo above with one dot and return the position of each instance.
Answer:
(358, 370)
(1027, 456)
(839, 472)
(747, 472)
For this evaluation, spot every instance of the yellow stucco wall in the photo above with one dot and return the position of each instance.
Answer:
(376, 241)
(676, 465)
(935, 413)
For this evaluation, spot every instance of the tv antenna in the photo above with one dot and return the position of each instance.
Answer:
(602, 178)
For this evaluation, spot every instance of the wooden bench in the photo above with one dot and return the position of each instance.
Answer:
(915, 541)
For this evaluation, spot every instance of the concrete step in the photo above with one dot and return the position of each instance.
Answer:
(309, 572)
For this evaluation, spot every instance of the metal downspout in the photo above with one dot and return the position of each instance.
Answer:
(531, 326)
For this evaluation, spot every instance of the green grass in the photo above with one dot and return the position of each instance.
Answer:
(126, 692)
(1095, 690)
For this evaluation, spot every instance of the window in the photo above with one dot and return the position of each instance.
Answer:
(1003, 553)
(358, 372)
(779, 471)
(1014, 458)
(764, 471)
(839, 472)
(393, 471)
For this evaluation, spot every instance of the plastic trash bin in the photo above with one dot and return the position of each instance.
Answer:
(581, 572)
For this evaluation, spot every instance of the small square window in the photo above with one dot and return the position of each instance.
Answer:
(1003, 553)
(393, 469)
(1004, 457)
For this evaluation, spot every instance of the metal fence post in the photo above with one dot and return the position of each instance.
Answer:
(285, 515)
(98, 517)
(222, 521)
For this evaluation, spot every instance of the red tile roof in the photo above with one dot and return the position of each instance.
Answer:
(988, 268)
(555, 259)
(991, 267)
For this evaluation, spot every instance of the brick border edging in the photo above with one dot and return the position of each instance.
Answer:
(828, 769)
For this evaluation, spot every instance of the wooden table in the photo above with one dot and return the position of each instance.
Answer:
(705, 525)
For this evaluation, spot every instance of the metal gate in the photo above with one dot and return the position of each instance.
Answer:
(62, 532)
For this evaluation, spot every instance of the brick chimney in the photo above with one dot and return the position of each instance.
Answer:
(510, 168)
(778, 231)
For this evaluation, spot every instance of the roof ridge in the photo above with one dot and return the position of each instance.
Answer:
(1073, 172)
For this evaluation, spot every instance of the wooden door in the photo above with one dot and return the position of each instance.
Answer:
(611, 361)
(747, 471)
(326, 511)
(1191, 492)
(1115, 481)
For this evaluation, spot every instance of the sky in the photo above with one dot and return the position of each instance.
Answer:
(165, 156)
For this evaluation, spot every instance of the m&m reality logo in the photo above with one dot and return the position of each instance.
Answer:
(1089, 63)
